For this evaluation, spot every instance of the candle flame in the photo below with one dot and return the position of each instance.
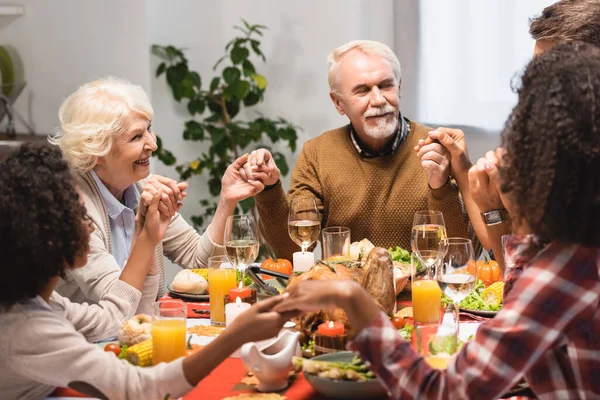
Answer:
(331, 324)
(238, 301)
(241, 285)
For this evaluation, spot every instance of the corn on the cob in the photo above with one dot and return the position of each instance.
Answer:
(493, 293)
(140, 354)
(203, 272)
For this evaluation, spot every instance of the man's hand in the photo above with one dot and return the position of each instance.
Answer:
(236, 186)
(435, 161)
(261, 167)
(484, 183)
(454, 141)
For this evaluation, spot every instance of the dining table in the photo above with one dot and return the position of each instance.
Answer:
(231, 379)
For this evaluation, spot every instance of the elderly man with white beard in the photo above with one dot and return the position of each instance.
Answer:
(364, 175)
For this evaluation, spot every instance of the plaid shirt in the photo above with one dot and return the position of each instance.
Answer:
(400, 136)
(548, 331)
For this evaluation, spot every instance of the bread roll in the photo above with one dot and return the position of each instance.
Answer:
(187, 281)
(136, 330)
(362, 248)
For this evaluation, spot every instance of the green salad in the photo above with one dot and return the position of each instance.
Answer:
(474, 301)
(399, 254)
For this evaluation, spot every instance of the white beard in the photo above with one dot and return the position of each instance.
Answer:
(383, 130)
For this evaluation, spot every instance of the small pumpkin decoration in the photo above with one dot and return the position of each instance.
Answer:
(191, 348)
(487, 270)
(280, 265)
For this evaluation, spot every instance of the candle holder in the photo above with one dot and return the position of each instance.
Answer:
(251, 299)
(329, 344)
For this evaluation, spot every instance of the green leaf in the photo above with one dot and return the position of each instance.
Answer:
(161, 68)
(281, 163)
(231, 74)
(248, 68)
(195, 78)
(260, 80)
(193, 131)
(239, 54)
(251, 99)
(196, 106)
(240, 89)
(256, 47)
(246, 204)
(214, 84)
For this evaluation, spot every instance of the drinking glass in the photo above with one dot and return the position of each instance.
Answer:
(426, 293)
(304, 224)
(453, 275)
(336, 243)
(428, 237)
(168, 331)
(221, 278)
(241, 240)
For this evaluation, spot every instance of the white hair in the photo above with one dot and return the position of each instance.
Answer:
(94, 115)
(367, 47)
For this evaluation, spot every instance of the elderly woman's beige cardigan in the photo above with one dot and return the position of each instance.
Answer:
(181, 244)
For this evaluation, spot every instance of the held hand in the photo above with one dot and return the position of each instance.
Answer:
(172, 197)
(235, 185)
(156, 223)
(435, 161)
(454, 141)
(261, 322)
(484, 183)
(261, 166)
(306, 296)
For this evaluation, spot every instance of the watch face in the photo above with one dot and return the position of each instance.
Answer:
(493, 217)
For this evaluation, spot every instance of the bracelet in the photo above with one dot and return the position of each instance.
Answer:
(269, 187)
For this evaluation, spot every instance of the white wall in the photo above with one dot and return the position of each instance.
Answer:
(64, 43)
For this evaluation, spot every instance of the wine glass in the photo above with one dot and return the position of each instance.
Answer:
(453, 275)
(304, 224)
(241, 240)
(428, 239)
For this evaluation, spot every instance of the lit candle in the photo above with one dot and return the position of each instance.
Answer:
(331, 329)
(241, 291)
(303, 261)
(233, 310)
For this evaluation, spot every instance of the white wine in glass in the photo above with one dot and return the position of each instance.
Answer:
(453, 274)
(241, 240)
(428, 237)
(304, 224)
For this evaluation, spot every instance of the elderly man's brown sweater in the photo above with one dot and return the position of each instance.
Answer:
(375, 197)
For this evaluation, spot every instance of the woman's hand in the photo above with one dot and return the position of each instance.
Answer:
(234, 187)
(260, 322)
(313, 295)
(261, 166)
(484, 183)
(173, 193)
(156, 223)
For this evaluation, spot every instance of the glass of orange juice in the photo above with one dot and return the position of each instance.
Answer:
(168, 331)
(336, 243)
(426, 293)
(221, 278)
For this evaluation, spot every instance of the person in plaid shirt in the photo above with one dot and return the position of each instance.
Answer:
(549, 328)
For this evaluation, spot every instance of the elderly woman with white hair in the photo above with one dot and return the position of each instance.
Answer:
(106, 136)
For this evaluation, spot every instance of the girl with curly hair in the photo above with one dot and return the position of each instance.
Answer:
(548, 329)
(46, 339)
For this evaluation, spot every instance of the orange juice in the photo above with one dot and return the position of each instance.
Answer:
(438, 362)
(168, 340)
(219, 283)
(426, 301)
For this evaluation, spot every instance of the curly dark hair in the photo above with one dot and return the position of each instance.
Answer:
(568, 20)
(43, 226)
(552, 139)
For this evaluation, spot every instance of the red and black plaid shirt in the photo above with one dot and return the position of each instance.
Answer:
(548, 331)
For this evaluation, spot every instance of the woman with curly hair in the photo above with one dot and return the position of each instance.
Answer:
(548, 329)
(46, 338)
(106, 136)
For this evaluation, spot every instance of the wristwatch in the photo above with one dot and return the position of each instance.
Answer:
(494, 217)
